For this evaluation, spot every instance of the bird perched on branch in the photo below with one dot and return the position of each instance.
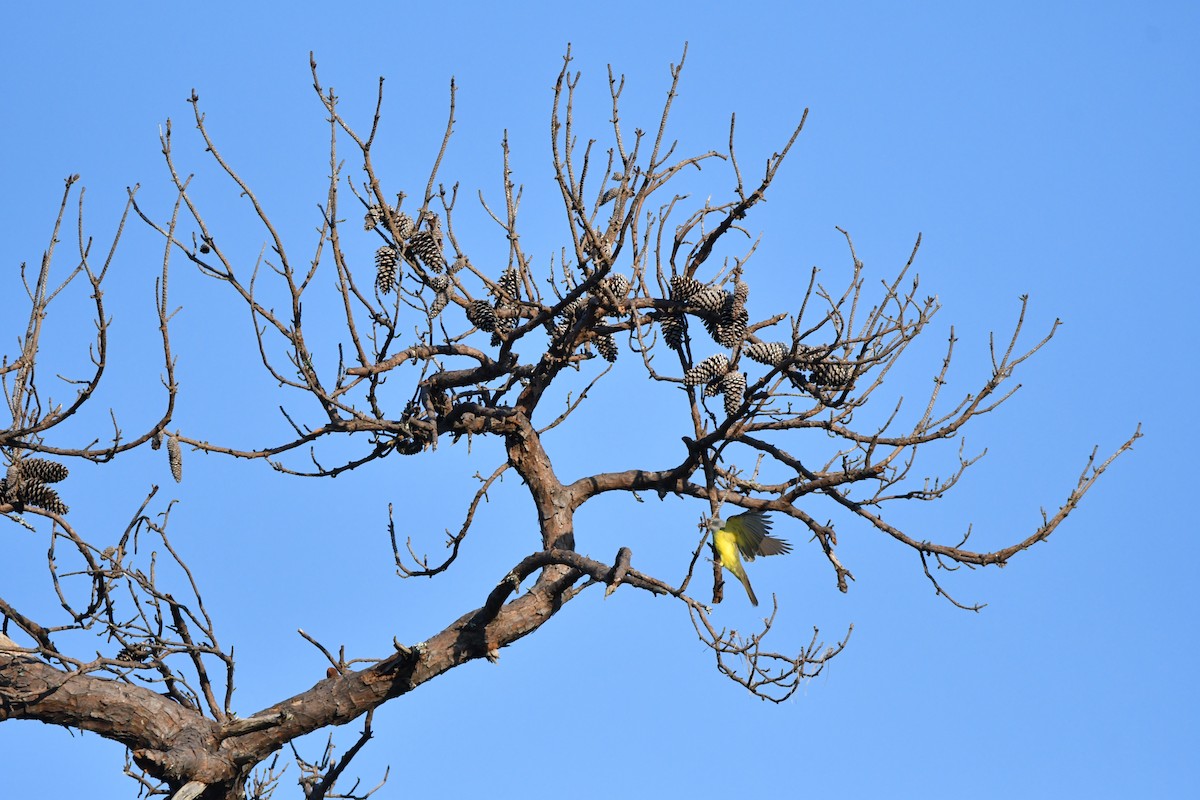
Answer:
(744, 536)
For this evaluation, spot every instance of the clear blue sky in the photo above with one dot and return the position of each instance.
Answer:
(1048, 149)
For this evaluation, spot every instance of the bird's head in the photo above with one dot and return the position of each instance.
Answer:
(715, 524)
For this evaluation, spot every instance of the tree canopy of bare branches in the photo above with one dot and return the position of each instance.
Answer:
(789, 410)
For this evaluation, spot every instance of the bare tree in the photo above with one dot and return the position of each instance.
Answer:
(648, 278)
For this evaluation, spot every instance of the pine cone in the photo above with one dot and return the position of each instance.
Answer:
(741, 291)
(574, 308)
(730, 328)
(41, 496)
(733, 387)
(404, 225)
(684, 289)
(138, 651)
(805, 355)
(711, 299)
(607, 347)
(374, 217)
(481, 314)
(510, 287)
(674, 329)
(42, 471)
(617, 284)
(439, 283)
(707, 370)
(156, 440)
(426, 247)
(433, 224)
(503, 325)
(570, 312)
(608, 196)
(385, 268)
(770, 353)
(409, 447)
(440, 301)
(728, 325)
(13, 476)
(175, 458)
(9, 484)
(832, 373)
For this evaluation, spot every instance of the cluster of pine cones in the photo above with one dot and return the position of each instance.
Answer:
(612, 288)
(425, 245)
(823, 370)
(718, 377)
(482, 313)
(724, 313)
(25, 484)
(725, 318)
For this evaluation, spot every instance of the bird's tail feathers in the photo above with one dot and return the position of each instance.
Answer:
(746, 583)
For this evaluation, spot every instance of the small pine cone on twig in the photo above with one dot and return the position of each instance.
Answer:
(684, 289)
(156, 440)
(385, 268)
(510, 289)
(481, 314)
(42, 470)
(607, 347)
(440, 301)
(13, 476)
(674, 329)
(608, 196)
(832, 373)
(425, 246)
(41, 496)
(138, 651)
(769, 353)
(175, 458)
(733, 387)
(374, 217)
(439, 283)
(707, 370)
(9, 484)
(741, 291)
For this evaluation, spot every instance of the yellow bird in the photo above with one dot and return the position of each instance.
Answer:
(744, 536)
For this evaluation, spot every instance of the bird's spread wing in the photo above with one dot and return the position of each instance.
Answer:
(751, 531)
(770, 546)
